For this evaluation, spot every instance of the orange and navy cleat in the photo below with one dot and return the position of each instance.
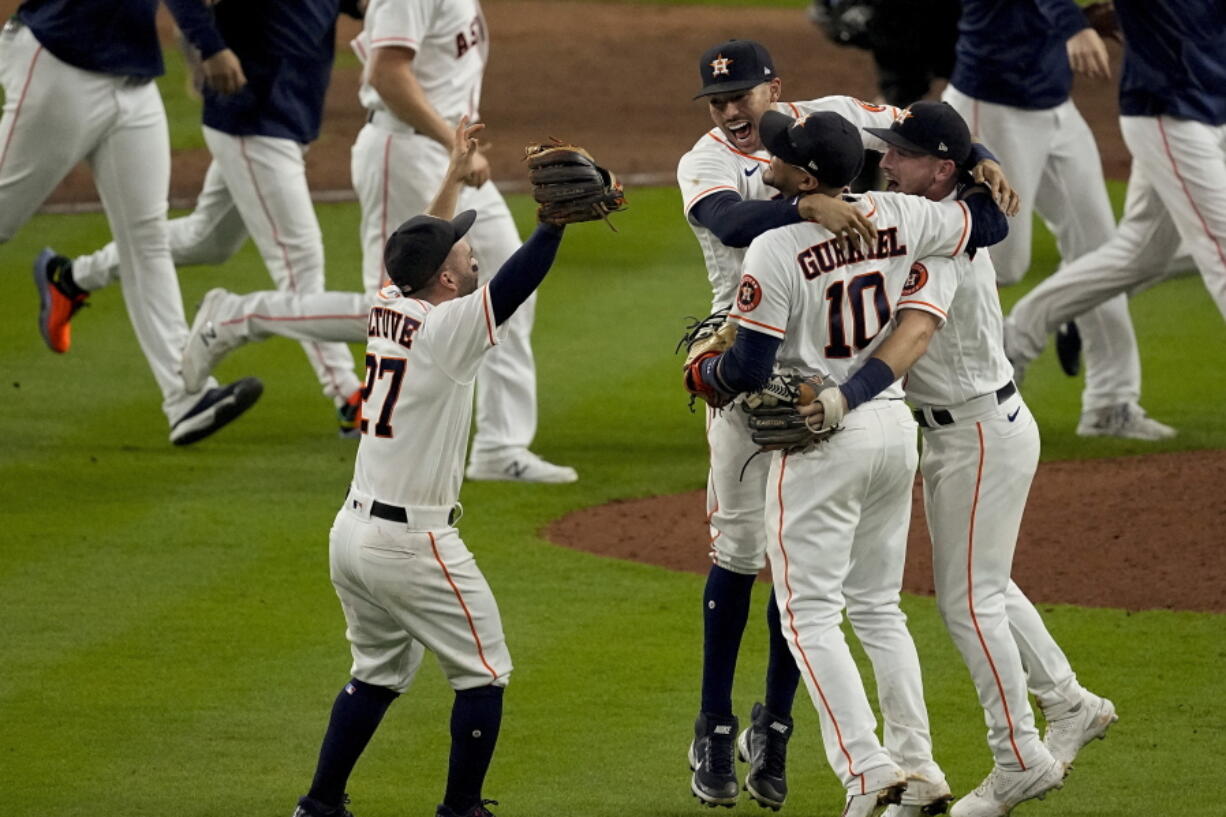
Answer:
(349, 416)
(55, 307)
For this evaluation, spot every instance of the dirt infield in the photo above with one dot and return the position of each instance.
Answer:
(1137, 533)
(616, 78)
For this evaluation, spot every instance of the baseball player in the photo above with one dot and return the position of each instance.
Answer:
(78, 81)
(727, 204)
(256, 184)
(406, 581)
(837, 515)
(424, 65)
(981, 448)
(1173, 117)
(1011, 80)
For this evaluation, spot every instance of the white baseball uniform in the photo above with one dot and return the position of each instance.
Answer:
(981, 448)
(56, 115)
(736, 491)
(837, 515)
(397, 171)
(410, 584)
(257, 186)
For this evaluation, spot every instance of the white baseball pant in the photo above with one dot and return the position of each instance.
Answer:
(1053, 163)
(1175, 194)
(977, 474)
(396, 174)
(338, 317)
(56, 115)
(255, 185)
(407, 588)
(836, 521)
(736, 492)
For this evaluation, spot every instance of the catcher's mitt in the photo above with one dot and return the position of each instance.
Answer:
(775, 422)
(569, 186)
(1101, 17)
(705, 339)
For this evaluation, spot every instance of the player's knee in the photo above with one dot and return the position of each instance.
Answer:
(737, 557)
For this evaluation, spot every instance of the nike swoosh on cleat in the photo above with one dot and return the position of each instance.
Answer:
(1013, 416)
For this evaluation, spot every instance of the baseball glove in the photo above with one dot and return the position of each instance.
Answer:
(775, 423)
(705, 339)
(569, 186)
(1101, 17)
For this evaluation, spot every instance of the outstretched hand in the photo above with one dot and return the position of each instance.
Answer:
(840, 217)
(991, 175)
(465, 150)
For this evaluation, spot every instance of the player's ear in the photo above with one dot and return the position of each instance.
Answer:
(776, 89)
(946, 170)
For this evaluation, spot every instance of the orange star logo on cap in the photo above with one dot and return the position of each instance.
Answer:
(719, 66)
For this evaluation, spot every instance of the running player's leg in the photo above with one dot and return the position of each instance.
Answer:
(132, 168)
(211, 234)
(506, 384)
(1186, 161)
(1072, 198)
(52, 117)
(267, 179)
(873, 585)
(1020, 139)
(1142, 244)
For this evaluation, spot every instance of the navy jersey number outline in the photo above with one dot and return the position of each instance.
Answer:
(853, 293)
(375, 369)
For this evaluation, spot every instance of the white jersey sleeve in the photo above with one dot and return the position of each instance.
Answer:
(926, 227)
(767, 288)
(860, 113)
(932, 284)
(458, 332)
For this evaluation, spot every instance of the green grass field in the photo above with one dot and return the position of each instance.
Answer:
(172, 645)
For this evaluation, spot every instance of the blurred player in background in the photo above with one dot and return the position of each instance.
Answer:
(256, 184)
(78, 81)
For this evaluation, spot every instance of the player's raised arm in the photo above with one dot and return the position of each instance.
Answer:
(464, 150)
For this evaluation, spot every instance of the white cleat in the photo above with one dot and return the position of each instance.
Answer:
(922, 798)
(1001, 790)
(1091, 719)
(519, 466)
(1127, 420)
(889, 787)
(207, 343)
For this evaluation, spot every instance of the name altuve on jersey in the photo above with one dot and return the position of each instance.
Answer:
(837, 252)
(395, 326)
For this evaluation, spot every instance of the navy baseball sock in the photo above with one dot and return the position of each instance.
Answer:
(725, 610)
(782, 674)
(475, 719)
(355, 716)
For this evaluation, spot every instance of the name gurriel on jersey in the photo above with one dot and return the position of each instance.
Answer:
(395, 326)
(839, 252)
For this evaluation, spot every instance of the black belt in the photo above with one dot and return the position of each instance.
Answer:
(370, 116)
(392, 513)
(942, 417)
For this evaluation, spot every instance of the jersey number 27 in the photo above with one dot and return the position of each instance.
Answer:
(375, 369)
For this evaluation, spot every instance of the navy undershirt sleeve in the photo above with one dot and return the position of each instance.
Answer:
(196, 22)
(979, 152)
(737, 221)
(523, 271)
(988, 224)
(870, 380)
(746, 366)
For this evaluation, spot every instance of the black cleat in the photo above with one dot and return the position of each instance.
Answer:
(764, 746)
(1068, 349)
(215, 409)
(310, 807)
(711, 757)
(478, 810)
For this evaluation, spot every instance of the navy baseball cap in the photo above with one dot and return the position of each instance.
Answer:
(736, 65)
(419, 246)
(932, 128)
(823, 143)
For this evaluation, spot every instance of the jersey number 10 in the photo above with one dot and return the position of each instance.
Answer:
(855, 293)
